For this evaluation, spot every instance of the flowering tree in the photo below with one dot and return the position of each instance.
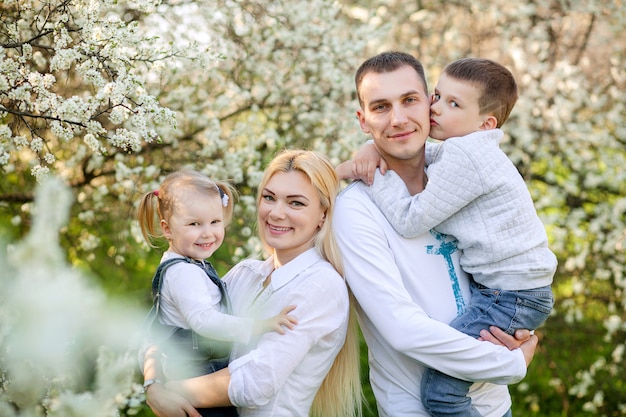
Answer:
(111, 95)
(68, 74)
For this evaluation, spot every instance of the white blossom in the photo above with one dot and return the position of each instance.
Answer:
(56, 316)
(5, 133)
(40, 173)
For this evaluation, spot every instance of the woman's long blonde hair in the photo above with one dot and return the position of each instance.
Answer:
(340, 394)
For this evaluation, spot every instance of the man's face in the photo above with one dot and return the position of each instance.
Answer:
(396, 112)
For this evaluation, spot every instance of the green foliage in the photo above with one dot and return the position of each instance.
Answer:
(564, 350)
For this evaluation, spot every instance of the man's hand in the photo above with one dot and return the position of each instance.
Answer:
(165, 403)
(523, 340)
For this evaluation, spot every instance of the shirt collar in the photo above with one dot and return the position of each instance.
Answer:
(291, 269)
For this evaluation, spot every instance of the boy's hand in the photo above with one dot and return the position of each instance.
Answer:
(366, 160)
(363, 166)
(345, 170)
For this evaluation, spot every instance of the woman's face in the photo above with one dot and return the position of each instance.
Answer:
(290, 214)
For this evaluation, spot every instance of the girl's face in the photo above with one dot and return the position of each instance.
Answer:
(196, 227)
(289, 214)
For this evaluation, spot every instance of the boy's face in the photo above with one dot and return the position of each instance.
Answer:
(395, 113)
(454, 110)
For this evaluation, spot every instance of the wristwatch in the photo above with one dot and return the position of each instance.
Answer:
(149, 382)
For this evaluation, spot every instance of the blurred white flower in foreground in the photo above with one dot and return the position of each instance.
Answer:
(64, 347)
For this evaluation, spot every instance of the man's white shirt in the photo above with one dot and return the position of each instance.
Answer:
(407, 289)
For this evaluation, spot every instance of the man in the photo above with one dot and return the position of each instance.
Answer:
(406, 289)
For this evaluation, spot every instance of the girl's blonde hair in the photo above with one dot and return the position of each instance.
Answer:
(340, 394)
(158, 205)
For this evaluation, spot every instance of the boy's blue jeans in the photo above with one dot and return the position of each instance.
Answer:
(443, 395)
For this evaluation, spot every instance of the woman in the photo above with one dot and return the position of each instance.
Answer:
(309, 370)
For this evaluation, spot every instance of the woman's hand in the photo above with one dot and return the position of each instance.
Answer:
(524, 340)
(165, 403)
(205, 391)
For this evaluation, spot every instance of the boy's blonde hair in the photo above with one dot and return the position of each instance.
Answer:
(497, 86)
(158, 205)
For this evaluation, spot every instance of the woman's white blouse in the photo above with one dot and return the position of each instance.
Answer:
(279, 375)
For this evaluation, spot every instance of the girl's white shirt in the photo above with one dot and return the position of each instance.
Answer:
(279, 375)
(189, 299)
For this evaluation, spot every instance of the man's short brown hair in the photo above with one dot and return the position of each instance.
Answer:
(387, 62)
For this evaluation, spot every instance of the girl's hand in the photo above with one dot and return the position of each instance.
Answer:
(278, 323)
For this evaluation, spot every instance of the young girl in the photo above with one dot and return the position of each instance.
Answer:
(314, 369)
(190, 300)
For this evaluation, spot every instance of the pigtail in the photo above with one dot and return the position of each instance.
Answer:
(147, 216)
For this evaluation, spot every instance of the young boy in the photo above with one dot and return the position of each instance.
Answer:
(474, 193)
